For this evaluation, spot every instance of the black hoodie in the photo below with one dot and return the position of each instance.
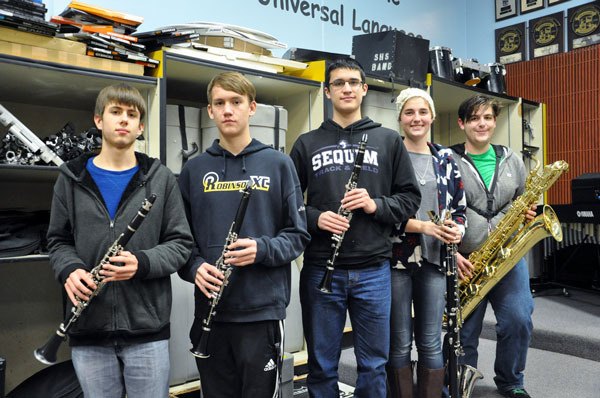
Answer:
(275, 218)
(324, 160)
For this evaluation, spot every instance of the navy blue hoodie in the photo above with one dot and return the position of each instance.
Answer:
(275, 218)
(324, 159)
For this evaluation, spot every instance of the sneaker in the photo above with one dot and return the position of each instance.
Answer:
(516, 393)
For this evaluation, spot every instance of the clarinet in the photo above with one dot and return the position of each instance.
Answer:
(47, 353)
(337, 239)
(200, 350)
(453, 322)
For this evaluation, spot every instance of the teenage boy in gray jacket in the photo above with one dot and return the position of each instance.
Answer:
(493, 176)
(120, 343)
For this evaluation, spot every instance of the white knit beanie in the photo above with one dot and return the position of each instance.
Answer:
(411, 92)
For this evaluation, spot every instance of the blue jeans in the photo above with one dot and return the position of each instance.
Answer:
(140, 370)
(512, 302)
(363, 293)
(424, 286)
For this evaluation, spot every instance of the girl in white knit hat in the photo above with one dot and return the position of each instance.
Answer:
(418, 278)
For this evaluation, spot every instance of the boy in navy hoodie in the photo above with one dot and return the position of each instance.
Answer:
(246, 338)
(387, 194)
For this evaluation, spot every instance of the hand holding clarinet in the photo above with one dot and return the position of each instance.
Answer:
(354, 198)
(212, 279)
(82, 295)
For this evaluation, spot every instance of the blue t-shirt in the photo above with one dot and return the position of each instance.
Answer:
(111, 183)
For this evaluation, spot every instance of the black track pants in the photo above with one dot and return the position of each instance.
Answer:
(245, 360)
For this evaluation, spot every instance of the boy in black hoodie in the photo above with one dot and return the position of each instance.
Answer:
(387, 194)
(246, 338)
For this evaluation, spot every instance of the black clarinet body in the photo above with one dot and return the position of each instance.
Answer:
(337, 239)
(200, 350)
(47, 353)
(452, 337)
(454, 344)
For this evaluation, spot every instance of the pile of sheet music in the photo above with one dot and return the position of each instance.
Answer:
(26, 15)
(213, 34)
(222, 43)
(106, 33)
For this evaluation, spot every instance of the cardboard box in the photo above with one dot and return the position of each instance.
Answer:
(233, 43)
(30, 39)
(67, 58)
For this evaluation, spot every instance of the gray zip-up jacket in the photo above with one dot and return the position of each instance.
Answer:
(507, 184)
(81, 231)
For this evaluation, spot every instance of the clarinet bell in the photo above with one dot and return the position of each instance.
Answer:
(47, 353)
(326, 282)
(201, 349)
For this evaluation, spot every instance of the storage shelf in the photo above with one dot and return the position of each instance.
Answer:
(34, 173)
(58, 84)
(448, 94)
(32, 258)
(188, 77)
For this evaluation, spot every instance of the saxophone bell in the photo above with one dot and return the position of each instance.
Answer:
(467, 376)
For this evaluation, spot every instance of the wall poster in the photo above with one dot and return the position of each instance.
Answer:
(531, 5)
(505, 9)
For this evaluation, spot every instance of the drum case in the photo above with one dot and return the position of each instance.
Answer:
(393, 55)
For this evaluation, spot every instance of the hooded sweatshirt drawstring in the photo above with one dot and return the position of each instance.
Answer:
(224, 169)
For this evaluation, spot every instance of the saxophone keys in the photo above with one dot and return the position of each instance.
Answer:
(473, 288)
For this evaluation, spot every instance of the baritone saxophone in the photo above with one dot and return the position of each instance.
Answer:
(512, 238)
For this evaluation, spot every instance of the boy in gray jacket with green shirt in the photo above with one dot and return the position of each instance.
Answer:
(120, 343)
(493, 176)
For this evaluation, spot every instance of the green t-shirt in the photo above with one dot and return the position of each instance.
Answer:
(485, 163)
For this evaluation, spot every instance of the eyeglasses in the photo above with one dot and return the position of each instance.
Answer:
(340, 83)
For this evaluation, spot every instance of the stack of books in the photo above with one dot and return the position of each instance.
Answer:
(26, 15)
(106, 33)
(155, 40)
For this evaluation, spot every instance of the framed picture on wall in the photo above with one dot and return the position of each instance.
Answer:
(583, 25)
(531, 5)
(510, 43)
(505, 9)
(546, 35)
(553, 2)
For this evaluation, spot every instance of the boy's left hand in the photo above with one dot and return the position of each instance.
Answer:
(122, 272)
(242, 252)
